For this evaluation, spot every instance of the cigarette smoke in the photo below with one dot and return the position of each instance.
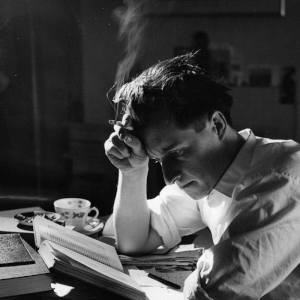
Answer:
(132, 24)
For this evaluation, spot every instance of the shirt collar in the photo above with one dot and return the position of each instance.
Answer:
(240, 164)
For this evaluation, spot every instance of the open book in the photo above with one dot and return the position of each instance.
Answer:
(87, 259)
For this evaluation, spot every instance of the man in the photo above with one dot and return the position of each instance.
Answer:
(245, 189)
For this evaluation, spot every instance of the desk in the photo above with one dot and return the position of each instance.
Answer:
(66, 287)
(8, 224)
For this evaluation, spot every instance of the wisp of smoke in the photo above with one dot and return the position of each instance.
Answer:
(132, 22)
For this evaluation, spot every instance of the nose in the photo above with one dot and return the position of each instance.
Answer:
(170, 170)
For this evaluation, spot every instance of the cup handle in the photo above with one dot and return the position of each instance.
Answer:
(96, 210)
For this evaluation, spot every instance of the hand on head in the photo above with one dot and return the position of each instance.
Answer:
(123, 149)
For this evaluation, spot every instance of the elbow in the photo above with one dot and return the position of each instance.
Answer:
(128, 249)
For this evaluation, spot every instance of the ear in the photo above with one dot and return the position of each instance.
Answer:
(220, 124)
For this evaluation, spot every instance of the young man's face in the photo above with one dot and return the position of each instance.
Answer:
(195, 161)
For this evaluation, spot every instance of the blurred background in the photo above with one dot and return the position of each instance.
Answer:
(59, 60)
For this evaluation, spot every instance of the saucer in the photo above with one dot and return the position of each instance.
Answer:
(93, 225)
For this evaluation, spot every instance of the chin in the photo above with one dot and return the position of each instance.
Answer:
(195, 190)
(196, 195)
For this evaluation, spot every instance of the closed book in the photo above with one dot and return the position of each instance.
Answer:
(13, 251)
(19, 279)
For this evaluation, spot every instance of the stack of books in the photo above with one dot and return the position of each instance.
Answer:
(22, 270)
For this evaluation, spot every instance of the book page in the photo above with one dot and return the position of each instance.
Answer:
(52, 252)
(188, 250)
(75, 241)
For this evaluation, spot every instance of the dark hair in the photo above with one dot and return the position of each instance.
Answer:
(180, 87)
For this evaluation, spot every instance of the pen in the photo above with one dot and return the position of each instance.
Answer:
(170, 284)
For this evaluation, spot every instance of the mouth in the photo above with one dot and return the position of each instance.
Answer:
(195, 190)
(185, 186)
(191, 189)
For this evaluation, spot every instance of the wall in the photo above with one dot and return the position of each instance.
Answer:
(259, 40)
(40, 52)
(101, 54)
(62, 55)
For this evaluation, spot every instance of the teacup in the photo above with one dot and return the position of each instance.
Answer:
(74, 211)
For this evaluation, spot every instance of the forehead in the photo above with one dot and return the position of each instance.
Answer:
(163, 135)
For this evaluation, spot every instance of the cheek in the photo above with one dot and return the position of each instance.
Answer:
(204, 166)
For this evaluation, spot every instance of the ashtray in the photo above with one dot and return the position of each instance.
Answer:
(26, 218)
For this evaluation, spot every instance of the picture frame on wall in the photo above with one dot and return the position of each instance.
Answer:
(263, 75)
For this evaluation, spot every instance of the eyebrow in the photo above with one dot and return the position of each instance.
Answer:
(166, 149)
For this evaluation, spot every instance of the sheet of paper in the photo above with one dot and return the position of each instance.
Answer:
(180, 252)
(85, 245)
(154, 293)
(177, 277)
(140, 276)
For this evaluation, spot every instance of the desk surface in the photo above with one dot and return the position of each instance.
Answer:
(66, 287)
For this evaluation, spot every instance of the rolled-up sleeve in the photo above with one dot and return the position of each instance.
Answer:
(174, 214)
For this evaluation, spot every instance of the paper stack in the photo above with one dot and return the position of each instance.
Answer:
(180, 258)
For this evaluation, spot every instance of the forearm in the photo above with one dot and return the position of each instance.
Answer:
(108, 229)
(131, 217)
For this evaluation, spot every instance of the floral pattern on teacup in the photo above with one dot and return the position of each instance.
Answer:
(78, 215)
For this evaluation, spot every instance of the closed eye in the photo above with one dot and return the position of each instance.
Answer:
(177, 152)
(173, 153)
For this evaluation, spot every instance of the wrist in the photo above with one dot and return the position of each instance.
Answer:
(135, 173)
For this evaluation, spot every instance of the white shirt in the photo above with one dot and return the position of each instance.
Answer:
(254, 218)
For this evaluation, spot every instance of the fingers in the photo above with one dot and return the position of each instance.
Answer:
(121, 131)
(116, 147)
(123, 143)
(192, 289)
(125, 123)
(121, 124)
(128, 147)
(127, 143)
(122, 127)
